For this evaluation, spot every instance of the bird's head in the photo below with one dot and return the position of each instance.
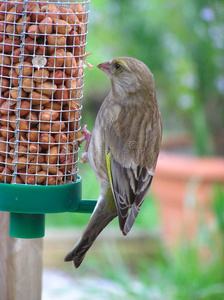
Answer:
(128, 76)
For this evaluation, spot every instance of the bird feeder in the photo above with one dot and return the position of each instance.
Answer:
(42, 55)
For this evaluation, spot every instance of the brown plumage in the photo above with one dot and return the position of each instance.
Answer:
(123, 150)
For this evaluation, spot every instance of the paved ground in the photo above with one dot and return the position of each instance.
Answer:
(62, 282)
(58, 285)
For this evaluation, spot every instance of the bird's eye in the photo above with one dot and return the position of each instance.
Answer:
(117, 66)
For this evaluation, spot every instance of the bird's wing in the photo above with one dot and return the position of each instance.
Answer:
(132, 147)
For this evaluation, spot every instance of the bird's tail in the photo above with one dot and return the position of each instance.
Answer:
(103, 214)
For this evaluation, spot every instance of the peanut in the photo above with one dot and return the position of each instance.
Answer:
(12, 17)
(28, 84)
(32, 117)
(7, 106)
(28, 179)
(53, 169)
(11, 142)
(47, 88)
(6, 132)
(56, 60)
(9, 164)
(30, 44)
(54, 106)
(70, 115)
(62, 93)
(57, 126)
(4, 71)
(23, 140)
(33, 31)
(11, 153)
(58, 76)
(61, 27)
(11, 31)
(41, 75)
(24, 108)
(60, 138)
(41, 176)
(52, 155)
(19, 24)
(22, 150)
(38, 98)
(51, 10)
(41, 50)
(51, 180)
(71, 84)
(15, 93)
(68, 15)
(20, 162)
(2, 159)
(3, 146)
(47, 115)
(46, 26)
(70, 64)
(32, 135)
(23, 125)
(4, 60)
(25, 68)
(77, 8)
(6, 175)
(35, 148)
(46, 140)
(17, 53)
(56, 39)
(4, 120)
(44, 126)
(9, 45)
(14, 77)
(4, 83)
(18, 180)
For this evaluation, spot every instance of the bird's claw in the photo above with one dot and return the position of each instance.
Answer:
(86, 136)
(84, 157)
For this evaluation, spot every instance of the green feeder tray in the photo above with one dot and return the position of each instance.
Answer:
(28, 205)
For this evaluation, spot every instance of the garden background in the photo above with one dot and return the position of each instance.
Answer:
(182, 42)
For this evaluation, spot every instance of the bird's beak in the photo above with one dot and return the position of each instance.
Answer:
(105, 67)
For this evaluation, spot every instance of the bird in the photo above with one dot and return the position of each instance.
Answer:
(123, 149)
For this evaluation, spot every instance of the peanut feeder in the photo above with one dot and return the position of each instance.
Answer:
(42, 53)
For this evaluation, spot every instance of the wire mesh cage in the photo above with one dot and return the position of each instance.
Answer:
(42, 54)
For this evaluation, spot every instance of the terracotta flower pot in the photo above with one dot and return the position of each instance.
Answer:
(184, 186)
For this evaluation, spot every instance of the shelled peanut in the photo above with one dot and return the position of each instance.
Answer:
(41, 69)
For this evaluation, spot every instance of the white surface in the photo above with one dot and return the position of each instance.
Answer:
(58, 285)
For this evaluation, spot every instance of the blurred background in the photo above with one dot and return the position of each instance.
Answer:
(182, 42)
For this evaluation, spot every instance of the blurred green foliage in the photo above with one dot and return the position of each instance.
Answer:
(193, 270)
(143, 268)
(183, 44)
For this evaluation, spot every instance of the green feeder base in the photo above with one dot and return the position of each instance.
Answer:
(28, 205)
(27, 226)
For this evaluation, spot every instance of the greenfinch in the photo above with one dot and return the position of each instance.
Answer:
(123, 149)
